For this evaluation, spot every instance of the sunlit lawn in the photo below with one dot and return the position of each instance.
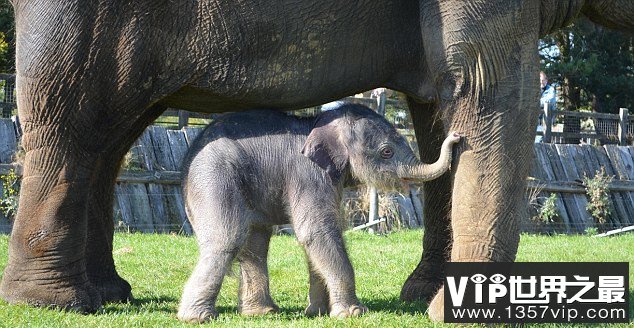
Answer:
(157, 266)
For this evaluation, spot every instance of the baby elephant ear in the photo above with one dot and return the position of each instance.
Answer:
(325, 148)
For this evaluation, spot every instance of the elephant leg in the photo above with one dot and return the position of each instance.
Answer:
(47, 265)
(254, 294)
(221, 225)
(423, 283)
(317, 294)
(99, 262)
(202, 289)
(488, 91)
(323, 243)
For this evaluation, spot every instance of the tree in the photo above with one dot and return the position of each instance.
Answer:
(594, 66)
(7, 37)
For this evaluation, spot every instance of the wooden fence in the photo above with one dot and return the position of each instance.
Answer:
(559, 126)
(560, 169)
(148, 196)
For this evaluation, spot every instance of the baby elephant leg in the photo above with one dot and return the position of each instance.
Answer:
(317, 294)
(218, 247)
(325, 248)
(202, 288)
(254, 294)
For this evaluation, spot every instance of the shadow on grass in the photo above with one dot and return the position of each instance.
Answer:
(150, 303)
(166, 304)
(395, 305)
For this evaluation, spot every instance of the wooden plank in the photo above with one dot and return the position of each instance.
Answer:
(574, 187)
(417, 202)
(625, 208)
(627, 173)
(406, 211)
(162, 149)
(630, 150)
(617, 200)
(178, 146)
(155, 179)
(8, 142)
(191, 133)
(140, 207)
(160, 218)
(581, 169)
(174, 205)
(158, 177)
(620, 209)
(571, 174)
(116, 217)
(569, 206)
(541, 153)
(144, 149)
(535, 167)
(125, 209)
(579, 160)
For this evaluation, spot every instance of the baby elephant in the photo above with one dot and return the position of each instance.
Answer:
(251, 170)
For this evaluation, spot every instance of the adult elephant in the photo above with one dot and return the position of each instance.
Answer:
(92, 75)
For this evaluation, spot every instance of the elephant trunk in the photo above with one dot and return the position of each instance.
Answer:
(419, 171)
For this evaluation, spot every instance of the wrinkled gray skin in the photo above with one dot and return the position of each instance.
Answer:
(91, 75)
(252, 170)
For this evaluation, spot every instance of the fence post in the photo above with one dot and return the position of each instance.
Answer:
(183, 118)
(380, 103)
(623, 113)
(548, 123)
(374, 205)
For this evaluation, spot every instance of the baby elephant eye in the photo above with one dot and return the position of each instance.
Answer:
(387, 152)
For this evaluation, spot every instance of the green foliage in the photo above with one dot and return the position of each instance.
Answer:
(7, 37)
(10, 194)
(548, 211)
(132, 162)
(591, 231)
(594, 66)
(597, 190)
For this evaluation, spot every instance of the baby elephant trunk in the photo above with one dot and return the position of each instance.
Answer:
(425, 172)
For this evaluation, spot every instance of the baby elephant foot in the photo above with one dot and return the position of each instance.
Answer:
(344, 311)
(259, 310)
(197, 314)
(316, 309)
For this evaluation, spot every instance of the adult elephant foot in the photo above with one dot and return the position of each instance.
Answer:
(47, 264)
(420, 288)
(113, 289)
(22, 287)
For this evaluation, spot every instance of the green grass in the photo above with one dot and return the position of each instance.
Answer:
(157, 266)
